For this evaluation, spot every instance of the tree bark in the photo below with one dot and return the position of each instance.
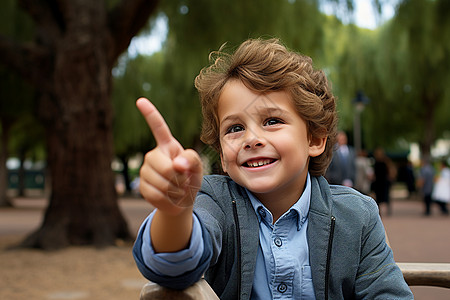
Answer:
(21, 174)
(5, 201)
(71, 60)
(429, 101)
(126, 173)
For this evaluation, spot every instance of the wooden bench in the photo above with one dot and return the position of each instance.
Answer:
(199, 291)
(424, 274)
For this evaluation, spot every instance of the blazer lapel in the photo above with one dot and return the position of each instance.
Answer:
(318, 232)
(249, 234)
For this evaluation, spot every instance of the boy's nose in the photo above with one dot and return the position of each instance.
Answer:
(253, 141)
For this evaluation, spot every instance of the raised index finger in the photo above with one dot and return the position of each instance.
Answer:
(155, 121)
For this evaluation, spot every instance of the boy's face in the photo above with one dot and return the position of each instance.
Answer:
(265, 143)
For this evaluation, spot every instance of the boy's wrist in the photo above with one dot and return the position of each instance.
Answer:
(176, 213)
(171, 233)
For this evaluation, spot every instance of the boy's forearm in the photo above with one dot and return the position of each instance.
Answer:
(171, 233)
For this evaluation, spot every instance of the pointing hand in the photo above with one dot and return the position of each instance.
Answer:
(170, 175)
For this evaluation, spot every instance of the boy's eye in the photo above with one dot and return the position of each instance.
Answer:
(272, 121)
(235, 128)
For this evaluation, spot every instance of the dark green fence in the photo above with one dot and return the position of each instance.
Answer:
(34, 179)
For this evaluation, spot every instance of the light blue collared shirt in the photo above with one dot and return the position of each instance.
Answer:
(282, 264)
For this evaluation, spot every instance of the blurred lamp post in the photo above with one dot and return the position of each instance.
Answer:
(360, 102)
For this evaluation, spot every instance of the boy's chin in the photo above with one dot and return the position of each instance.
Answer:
(259, 187)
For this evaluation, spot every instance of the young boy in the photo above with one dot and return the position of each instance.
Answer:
(273, 228)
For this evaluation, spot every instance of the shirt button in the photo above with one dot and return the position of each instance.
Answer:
(277, 241)
(282, 288)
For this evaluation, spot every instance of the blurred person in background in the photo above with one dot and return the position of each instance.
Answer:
(410, 179)
(426, 182)
(384, 172)
(364, 173)
(441, 190)
(342, 169)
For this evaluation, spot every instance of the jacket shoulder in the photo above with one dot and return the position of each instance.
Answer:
(330, 199)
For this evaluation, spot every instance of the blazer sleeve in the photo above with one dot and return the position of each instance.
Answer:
(378, 277)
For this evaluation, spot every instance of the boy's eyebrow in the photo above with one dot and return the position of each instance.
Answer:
(274, 111)
(261, 110)
(270, 110)
(230, 118)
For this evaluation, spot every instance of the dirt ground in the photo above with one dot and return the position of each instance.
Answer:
(75, 273)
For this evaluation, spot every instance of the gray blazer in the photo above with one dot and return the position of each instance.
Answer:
(349, 256)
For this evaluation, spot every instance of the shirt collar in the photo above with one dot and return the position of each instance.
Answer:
(301, 206)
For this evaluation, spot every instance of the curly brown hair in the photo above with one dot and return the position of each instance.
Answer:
(265, 66)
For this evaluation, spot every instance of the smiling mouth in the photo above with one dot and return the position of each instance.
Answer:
(258, 163)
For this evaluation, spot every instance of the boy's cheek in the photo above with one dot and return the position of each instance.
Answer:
(229, 152)
(229, 147)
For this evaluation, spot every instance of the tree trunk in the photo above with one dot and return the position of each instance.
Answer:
(428, 137)
(83, 207)
(126, 173)
(21, 174)
(69, 63)
(77, 115)
(4, 199)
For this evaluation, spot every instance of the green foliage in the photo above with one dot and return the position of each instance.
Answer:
(199, 27)
(14, 22)
(140, 78)
(403, 68)
(421, 68)
(27, 138)
(195, 29)
(16, 96)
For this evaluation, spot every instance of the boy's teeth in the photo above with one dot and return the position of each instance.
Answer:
(258, 163)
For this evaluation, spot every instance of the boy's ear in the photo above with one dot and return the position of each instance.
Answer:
(317, 146)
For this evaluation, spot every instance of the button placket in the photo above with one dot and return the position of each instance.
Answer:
(283, 276)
